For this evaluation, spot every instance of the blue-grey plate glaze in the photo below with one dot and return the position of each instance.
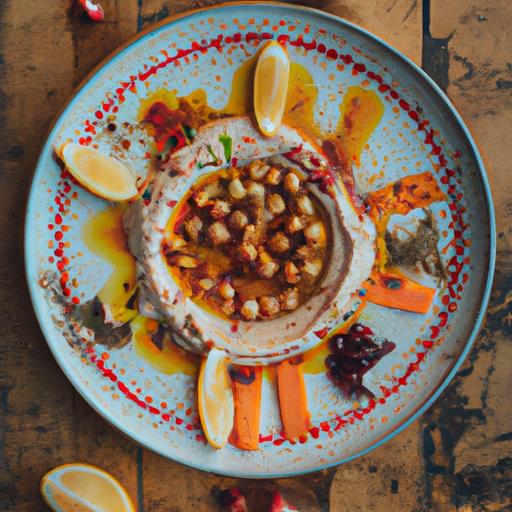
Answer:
(419, 131)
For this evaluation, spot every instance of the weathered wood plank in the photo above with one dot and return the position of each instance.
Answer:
(46, 49)
(398, 22)
(468, 465)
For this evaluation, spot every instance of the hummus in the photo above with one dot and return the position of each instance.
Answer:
(248, 338)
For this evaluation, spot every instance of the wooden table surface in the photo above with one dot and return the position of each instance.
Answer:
(457, 457)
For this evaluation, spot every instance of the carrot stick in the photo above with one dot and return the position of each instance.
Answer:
(399, 292)
(293, 401)
(247, 396)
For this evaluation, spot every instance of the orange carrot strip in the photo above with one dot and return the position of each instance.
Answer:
(246, 429)
(402, 196)
(399, 292)
(293, 401)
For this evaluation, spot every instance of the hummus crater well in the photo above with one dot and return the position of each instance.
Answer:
(248, 258)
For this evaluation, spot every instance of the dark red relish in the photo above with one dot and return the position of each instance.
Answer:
(352, 355)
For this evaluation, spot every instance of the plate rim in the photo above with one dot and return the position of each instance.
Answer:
(450, 373)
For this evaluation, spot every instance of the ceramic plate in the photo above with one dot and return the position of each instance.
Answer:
(74, 244)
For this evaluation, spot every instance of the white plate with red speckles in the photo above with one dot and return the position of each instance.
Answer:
(419, 129)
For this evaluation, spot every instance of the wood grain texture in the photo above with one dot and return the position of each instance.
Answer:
(457, 458)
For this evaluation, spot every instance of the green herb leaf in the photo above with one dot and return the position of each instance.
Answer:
(227, 144)
(214, 156)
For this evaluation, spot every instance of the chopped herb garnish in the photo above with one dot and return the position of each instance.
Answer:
(189, 131)
(214, 156)
(227, 144)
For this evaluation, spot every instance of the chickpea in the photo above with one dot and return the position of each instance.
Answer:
(250, 310)
(315, 233)
(268, 269)
(238, 220)
(226, 291)
(220, 209)
(276, 204)
(258, 170)
(256, 190)
(291, 273)
(294, 224)
(305, 205)
(292, 182)
(273, 176)
(206, 284)
(247, 252)
(269, 306)
(218, 233)
(290, 299)
(236, 189)
(193, 227)
(228, 308)
(184, 261)
(313, 268)
(279, 243)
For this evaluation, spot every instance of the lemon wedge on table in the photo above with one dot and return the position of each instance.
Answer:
(84, 488)
(271, 87)
(215, 398)
(99, 173)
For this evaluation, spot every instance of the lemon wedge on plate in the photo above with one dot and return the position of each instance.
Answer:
(84, 488)
(271, 87)
(99, 173)
(215, 398)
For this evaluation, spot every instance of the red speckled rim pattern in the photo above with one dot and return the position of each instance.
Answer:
(457, 275)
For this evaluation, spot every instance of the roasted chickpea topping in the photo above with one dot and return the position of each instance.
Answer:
(295, 224)
(315, 233)
(250, 310)
(313, 268)
(279, 243)
(236, 189)
(238, 220)
(276, 204)
(258, 170)
(193, 227)
(256, 190)
(248, 252)
(250, 243)
(220, 209)
(202, 198)
(228, 307)
(305, 205)
(292, 182)
(290, 299)
(267, 270)
(218, 233)
(226, 291)
(273, 176)
(269, 306)
(291, 273)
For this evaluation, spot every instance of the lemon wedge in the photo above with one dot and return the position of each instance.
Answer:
(271, 87)
(84, 488)
(215, 398)
(99, 173)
